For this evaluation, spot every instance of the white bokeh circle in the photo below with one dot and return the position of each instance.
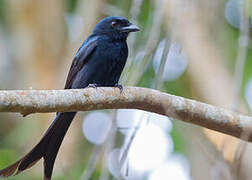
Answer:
(96, 126)
(176, 62)
(150, 148)
(175, 167)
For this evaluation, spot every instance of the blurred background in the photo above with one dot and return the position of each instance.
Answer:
(195, 49)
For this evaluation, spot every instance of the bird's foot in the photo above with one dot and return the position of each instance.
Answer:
(120, 87)
(93, 86)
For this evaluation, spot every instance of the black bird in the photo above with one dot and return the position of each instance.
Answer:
(98, 62)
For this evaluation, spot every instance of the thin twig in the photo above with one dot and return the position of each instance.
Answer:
(159, 76)
(158, 84)
(134, 13)
(90, 167)
(242, 53)
(238, 77)
(108, 145)
(129, 143)
(151, 44)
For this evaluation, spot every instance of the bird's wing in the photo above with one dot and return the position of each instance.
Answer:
(81, 58)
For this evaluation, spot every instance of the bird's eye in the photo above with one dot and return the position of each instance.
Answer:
(114, 23)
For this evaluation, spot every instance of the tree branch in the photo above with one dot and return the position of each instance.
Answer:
(208, 116)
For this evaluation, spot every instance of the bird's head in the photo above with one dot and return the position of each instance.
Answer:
(115, 27)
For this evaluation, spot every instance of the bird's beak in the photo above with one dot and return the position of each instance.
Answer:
(130, 28)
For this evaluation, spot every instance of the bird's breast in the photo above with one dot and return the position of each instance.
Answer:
(111, 61)
(115, 50)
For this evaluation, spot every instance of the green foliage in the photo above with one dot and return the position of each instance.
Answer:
(71, 5)
(2, 10)
(230, 40)
(180, 86)
(7, 156)
(178, 140)
(146, 14)
(247, 70)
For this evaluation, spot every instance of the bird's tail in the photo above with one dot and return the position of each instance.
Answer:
(47, 148)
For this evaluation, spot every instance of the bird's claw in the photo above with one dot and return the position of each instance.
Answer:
(120, 87)
(93, 86)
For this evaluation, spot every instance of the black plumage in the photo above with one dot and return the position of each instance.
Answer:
(98, 62)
